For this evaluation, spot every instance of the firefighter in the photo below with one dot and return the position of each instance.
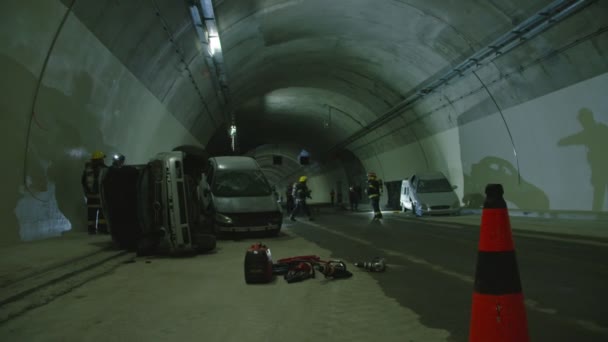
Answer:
(93, 172)
(300, 194)
(374, 190)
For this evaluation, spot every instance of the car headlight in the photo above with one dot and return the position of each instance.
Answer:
(223, 218)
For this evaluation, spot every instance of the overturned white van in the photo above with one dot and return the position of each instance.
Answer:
(429, 193)
(168, 208)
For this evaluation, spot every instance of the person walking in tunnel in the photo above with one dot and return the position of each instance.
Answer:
(300, 194)
(374, 191)
(289, 201)
(353, 198)
(91, 176)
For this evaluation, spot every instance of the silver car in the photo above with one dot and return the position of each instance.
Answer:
(429, 193)
(238, 197)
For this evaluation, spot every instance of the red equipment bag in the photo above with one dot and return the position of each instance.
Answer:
(258, 264)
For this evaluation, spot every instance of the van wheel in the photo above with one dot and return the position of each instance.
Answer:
(205, 243)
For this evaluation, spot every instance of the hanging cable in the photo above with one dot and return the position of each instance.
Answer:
(33, 117)
(541, 21)
(506, 126)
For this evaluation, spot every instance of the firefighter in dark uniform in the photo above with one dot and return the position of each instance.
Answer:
(300, 194)
(290, 202)
(93, 172)
(374, 190)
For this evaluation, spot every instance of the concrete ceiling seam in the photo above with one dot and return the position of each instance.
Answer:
(32, 116)
(326, 82)
(345, 113)
(182, 58)
(528, 29)
(308, 67)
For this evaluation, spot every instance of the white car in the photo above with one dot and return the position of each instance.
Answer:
(429, 193)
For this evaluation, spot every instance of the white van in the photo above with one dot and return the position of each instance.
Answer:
(168, 208)
(238, 198)
(429, 193)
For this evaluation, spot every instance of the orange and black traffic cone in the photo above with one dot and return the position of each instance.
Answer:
(498, 313)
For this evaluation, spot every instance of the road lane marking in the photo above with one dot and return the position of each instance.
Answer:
(515, 232)
(531, 304)
(562, 239)
(435, 223)
(411, 258)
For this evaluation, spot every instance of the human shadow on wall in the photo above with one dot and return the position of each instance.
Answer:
(74, 128)
(594, 137)
(60, 131)
(496, 170)
(15, 83)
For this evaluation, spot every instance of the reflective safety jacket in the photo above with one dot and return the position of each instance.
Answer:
(373, 188)
(301, 191)
(91, 176)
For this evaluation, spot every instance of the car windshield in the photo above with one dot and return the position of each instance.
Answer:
(240, 183)
(434, 185)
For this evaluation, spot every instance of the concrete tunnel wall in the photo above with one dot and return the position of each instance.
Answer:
(90, 99)
(560, 160)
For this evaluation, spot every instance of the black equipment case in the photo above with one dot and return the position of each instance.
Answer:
(258, 264)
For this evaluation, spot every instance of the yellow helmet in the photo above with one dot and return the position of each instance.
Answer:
(98, 155)
(303, 179)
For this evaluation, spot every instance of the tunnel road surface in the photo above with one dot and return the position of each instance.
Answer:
(425, 294)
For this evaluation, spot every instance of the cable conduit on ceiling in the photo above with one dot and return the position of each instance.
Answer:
(217, 58)
(406, 104)
(523, 32)
(519, 69)
(481, 88)
(182, 59)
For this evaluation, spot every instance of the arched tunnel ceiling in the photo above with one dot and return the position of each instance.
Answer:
(289, 62)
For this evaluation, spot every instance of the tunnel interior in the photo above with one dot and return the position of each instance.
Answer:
(394, 87)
